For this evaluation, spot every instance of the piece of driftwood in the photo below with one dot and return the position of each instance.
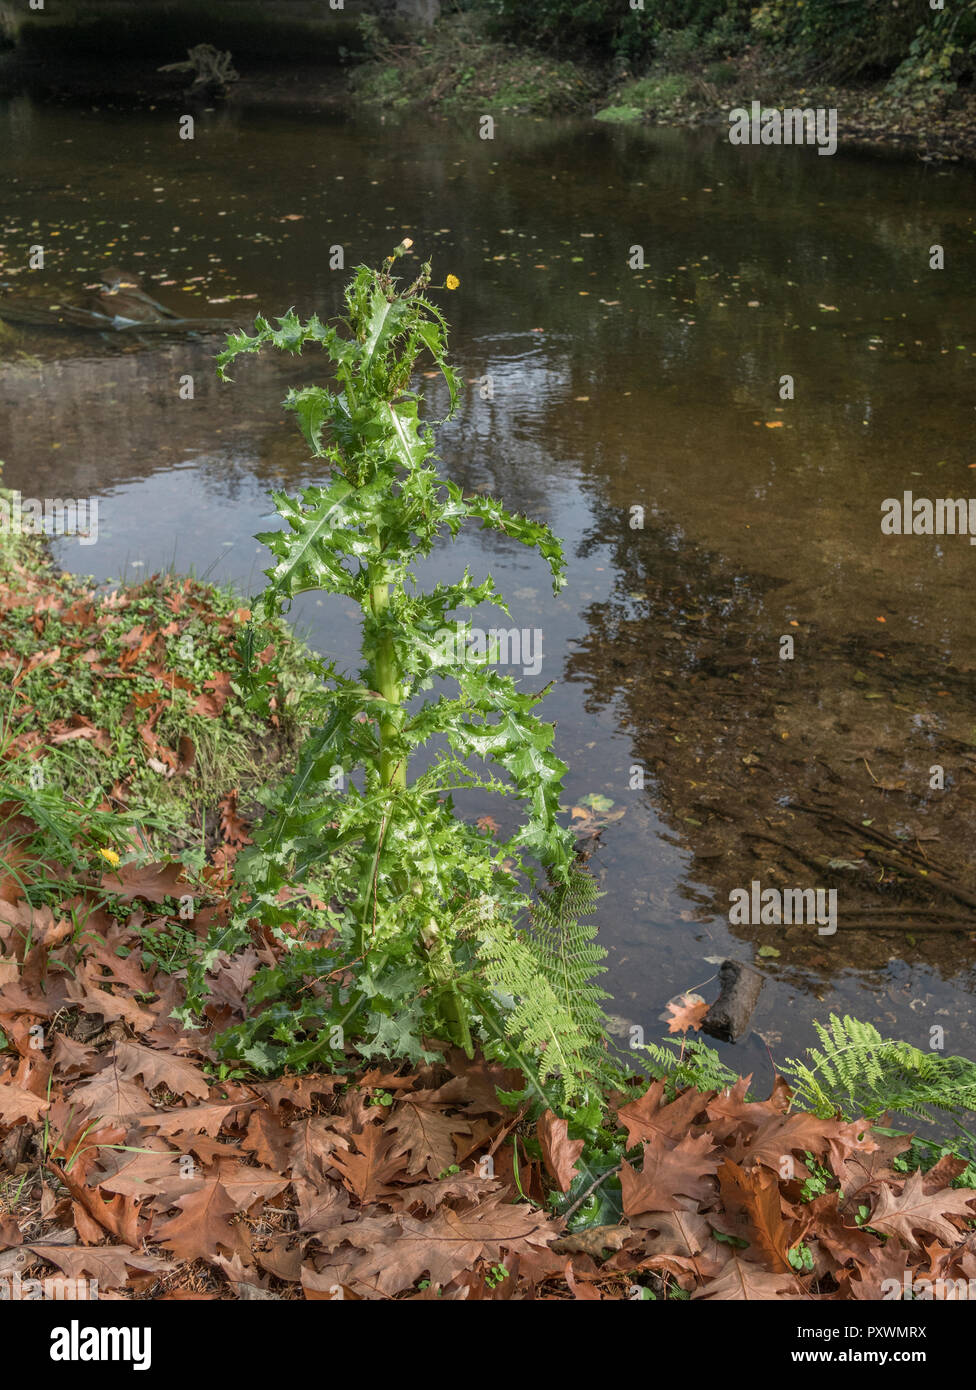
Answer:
(728, 1018)
(70, 316)
(213, 69)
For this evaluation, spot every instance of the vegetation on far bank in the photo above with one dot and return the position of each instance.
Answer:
(908, 77)
(895, 72)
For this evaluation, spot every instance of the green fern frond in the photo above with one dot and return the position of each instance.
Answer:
(689, 1062)
(548, 972)
(857, 1071)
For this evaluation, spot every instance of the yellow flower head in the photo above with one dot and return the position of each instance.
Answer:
(452, 282)
(110, 855)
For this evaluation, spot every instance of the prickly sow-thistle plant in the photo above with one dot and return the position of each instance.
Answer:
(423, 906)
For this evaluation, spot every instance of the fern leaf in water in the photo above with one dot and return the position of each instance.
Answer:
(548, 971)
(861, 1073)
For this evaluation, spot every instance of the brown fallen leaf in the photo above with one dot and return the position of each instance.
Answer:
(152, 882)
(195, 1119)
(283, 1258)
(796, 1133)
(120, 1216)
(905, 1213)
(84, 992)
(425, 1134)
(233, 828)
(595, 1241)
(157, 1068)
(161, 1172)
(109, 1264)
(559, 1152)
(212, 705)
(108, 1096)
(16, 1103)
(580, 1291)
(669, 1171)
(246, 1184)
(741, 1281)
(298, 1091)
(445, 1246)
(203, 1230)
(268, 1140)
(321, 1209)
(685, 1011)
(752, 1211)
(679, 1242)
(729, 1111)
(649, 1115)
(367, 1168)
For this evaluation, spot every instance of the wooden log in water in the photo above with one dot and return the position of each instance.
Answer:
(70, 316)
(728, 1018)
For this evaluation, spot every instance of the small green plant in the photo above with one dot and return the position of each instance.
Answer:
(819, 1181)
(421, 937)
(801, 1258)
(687, 1062)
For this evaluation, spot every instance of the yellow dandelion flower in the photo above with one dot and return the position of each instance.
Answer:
(452, 282)
(110, 855)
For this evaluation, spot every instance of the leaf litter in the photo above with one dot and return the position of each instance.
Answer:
(127, 1159)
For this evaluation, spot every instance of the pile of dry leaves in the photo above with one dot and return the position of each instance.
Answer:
(123, 1159)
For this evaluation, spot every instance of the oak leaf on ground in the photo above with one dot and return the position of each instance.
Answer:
(106, 1263)
(151, 882)
(109, 1096)
(202, 1230)
(904, 1213)
(650, 1115)
(863, 1170)
(559, 1152)
(679, 1242)
(367, 1168)
(449, 1243)
(742, 1281)
(752, 1211)
(157, 1068)
(669, 1172)
(267, 1139)
(425, 1134)
(729, 1111)
(208, 1118)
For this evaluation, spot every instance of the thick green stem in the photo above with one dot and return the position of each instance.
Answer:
(450, 998)
(385, 679)
(386, 675)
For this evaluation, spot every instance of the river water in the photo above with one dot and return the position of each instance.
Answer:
(610, 388)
